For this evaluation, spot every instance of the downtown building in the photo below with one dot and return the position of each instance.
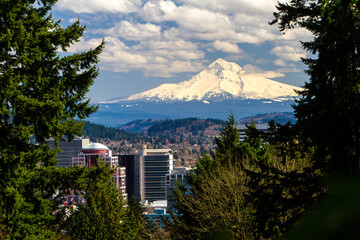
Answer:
(146, 171)
(95, 153)
(68, 150)
(177, 175)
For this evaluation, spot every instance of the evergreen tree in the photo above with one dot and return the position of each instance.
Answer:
(282, 182)
(41, 95)
(256, 195)
(228, 142)
(103, 216)
(216, 201)
(137, 221)
(328, 111)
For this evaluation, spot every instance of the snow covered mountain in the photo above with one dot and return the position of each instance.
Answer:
(220, 81)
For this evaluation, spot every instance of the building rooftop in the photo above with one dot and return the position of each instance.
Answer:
(95, 146)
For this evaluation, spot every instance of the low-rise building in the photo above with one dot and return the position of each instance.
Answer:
(94, 153)
(178, 174)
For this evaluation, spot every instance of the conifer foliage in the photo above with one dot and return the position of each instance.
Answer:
(328, 111)
(246, 190)
(42, 93)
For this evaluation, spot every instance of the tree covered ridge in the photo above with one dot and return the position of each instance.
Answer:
(192, 125)
(97, 131)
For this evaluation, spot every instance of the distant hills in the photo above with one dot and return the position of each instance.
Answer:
(140, 125)
(280, 118)
(118, 114)
(188, 126)
(163, 125)
(189, 138)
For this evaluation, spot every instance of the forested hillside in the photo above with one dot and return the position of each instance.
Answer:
(187, 125)
(140, 125)
(97, 131)
(189, 138)
(278, 117)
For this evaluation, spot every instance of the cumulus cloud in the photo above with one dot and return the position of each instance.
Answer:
(154, 58)
(249, 6)
(252, 70)
(285, 66)
(134, 31)
(226, 47)
(84, 45)
(249, 68)
(280, 62)
(189, 18)
(288, 70)
(92, 6)
(154, 36)
(288, 53)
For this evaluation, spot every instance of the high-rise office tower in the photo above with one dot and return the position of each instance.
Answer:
(145, 172)
(132, 174)
(154, 165)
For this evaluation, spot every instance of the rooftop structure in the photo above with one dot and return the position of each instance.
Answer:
(94, 153)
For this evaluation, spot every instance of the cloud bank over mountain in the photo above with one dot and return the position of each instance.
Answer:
(164, 37)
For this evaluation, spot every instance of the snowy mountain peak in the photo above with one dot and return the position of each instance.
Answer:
(221, 64)
(219, 81)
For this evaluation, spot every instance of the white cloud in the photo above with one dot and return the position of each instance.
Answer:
(154, 58)
(252, 70)
(93, 6)
(288, 53)
(249, 68)
(84, 45)
(288, 70)
(189, 18)
(285, 67)
(201, 20)
(158, 34)
(72, 20)
(134, 31)
(231, 6)
(226, 47)
(280, 62)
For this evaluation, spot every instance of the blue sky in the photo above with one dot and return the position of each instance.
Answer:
(150, 42)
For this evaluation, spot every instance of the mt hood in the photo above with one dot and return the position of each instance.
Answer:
(220, 81)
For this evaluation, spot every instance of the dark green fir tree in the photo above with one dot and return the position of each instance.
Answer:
(328, 110)
(42, 95)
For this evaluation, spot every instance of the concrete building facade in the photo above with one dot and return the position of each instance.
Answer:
(176, 175)
(68, 150)
(94, 153)
(155, 164)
